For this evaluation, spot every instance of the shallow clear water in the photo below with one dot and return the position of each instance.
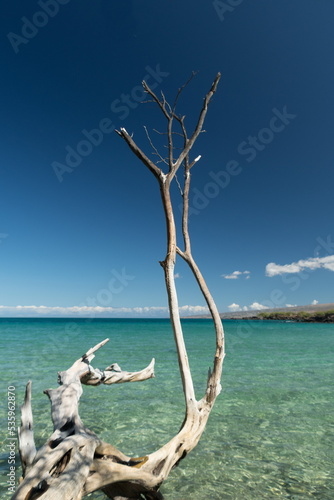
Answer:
(270, 434)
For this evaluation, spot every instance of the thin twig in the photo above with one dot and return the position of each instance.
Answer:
(156, 171)
(193, 74)
(156, 99)
(199, 125)
(152, 145)
(179, 185)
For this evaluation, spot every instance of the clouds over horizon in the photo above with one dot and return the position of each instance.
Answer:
(312, 263)
(236, 275)
(235, 307)
(255, 306)
(96, 311)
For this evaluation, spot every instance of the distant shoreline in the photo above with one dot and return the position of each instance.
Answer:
(316, 313)
(299, 317)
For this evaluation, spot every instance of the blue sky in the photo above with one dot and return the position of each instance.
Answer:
(82, 229)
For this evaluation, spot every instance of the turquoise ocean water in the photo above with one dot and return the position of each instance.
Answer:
(270, 434)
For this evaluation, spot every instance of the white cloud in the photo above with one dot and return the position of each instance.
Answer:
(177, 275)
(96, 311)
(59, 310)
(194, 309)
(328, 262)
(234, 307)
(273, 269)
(312, 263)
(235, 275)
(290, 305)
(314, 302)
(232, 276)
(256, 306)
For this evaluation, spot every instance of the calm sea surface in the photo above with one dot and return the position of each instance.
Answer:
(270, 434)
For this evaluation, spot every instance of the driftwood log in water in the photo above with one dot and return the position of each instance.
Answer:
(72, 454)
(75, 462)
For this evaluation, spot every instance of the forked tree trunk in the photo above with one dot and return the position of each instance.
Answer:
(75, 462)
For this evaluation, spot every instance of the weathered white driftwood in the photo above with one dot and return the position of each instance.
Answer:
(59, 470)
(25, 432)
(75, 462)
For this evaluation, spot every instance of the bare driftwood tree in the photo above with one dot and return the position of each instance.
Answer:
(74, 461)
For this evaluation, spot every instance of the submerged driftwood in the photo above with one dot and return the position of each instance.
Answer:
(75, 462)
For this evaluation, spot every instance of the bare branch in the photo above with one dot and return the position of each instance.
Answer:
(170, 142)
(156, 171)
(166, 133)
(195, 161)
(193, 74)
(200, 122)
(213, 383)
(90, 353)
(74, 461)
(178, 185)
(114, 375)
(163, 105)
(184, 131)
(156, 99)
(166, 104)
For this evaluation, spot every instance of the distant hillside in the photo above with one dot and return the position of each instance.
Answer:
(249, 314)
(270, 313)
(299, 316)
